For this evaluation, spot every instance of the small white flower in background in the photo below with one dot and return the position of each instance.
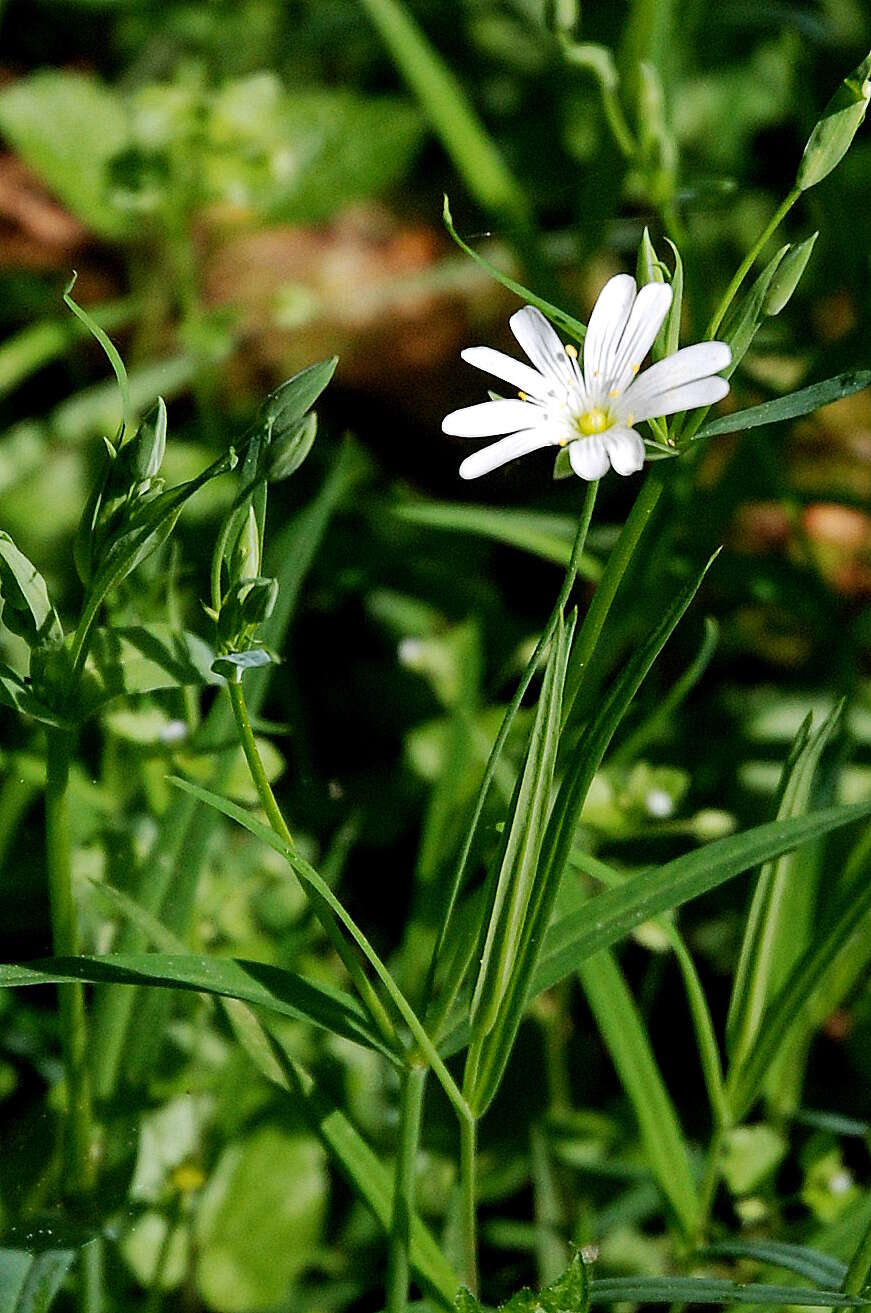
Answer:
(591, 410)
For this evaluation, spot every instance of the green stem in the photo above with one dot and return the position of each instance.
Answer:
(860, 1266)
(585, 643)
(750, 259)
(399, 1244)
(468, 1198)
(446, 1001)
(91, 1267)
(364, 986)
(79, 1174)
(710, 1181)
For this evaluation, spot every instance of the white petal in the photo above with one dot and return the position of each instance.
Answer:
(625, 449)
(506, 449)
(588, 457)
(536, 335)
(642, 398)
(702, 392)
(508, 369)
(607, 322)
(491, 417)
(651, 306)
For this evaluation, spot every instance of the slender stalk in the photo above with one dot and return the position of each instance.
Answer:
(710, 1180)
(399, 1243)
(364, 986)
(585, 643)
(749, 260)
(860, 1266)
(79, 1174)
(91, 1268)
(468, 1200)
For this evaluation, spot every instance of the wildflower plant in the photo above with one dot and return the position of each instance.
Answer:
(510, 927)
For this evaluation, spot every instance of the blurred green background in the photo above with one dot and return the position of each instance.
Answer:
(244, 187)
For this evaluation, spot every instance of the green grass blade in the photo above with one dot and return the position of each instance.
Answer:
(702, 1290)
(801, 1259)
(787, 1010)
(773, 917)
(453, 119)
(256, 983)
(621, 1028)
(495, 1051)
(524, 836)
(547, 536)
(614, 913)
(706, 1036)
(30, 1280)
(798, 403)
(317, 889)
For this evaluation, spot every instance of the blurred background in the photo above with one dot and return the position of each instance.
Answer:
(246, 186)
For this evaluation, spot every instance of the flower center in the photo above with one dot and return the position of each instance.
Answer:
(593, 421)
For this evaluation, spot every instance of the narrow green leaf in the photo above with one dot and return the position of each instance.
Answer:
(547, 536)
(108, 346)
(787, 1010)
(287, 405)
(444, 101)
(743, 323)
(811, 1263)
(573, 327)
(706, 1036)
(257, 983)
(798, 403)
(317, 889)
(614, 913)
(30, 1280)
(27, 610)
(522, 847)
(668, 339)
(702, 1290)
(622, 1030)
(495, 1051)
(771, 916)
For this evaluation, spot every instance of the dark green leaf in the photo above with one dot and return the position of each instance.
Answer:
(612, 914)
(702, 1290)
(811, 1263)
(798, 403)
(257, 983)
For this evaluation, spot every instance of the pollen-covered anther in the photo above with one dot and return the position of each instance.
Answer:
(571, 350)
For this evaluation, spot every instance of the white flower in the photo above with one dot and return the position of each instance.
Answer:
(591, 410)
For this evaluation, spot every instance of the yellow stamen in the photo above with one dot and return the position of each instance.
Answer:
(523, 396)
(615, 392)
(635, 369)
(571, 351)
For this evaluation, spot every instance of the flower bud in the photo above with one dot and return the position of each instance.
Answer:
(787, 276)
(840, 121)
(245, 561)
(289, 450)
(149, 445)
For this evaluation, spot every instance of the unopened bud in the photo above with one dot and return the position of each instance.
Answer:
(289, 450)
(245, 561)
(787, 276)
(840, 121)
(149, 445)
